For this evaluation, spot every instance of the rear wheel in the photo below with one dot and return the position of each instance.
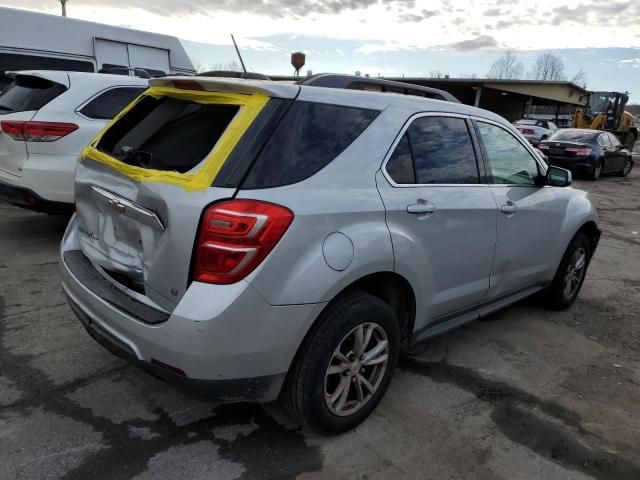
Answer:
(628, 165)
(570, 274)
(597, 171)
(343, 367)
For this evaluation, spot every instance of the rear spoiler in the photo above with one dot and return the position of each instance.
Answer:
(228, 85)
(54, 76)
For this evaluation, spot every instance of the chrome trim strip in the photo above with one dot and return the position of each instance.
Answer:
(129, 208)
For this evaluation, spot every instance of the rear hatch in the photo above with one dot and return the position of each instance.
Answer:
(19, 103)
(142, 185)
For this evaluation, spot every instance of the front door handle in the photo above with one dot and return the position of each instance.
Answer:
(421, 208)
(509, 208)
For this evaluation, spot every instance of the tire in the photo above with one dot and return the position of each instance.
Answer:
(626, 169)
(630, 141)
(557, 296)
(304, 394)
(596, 172)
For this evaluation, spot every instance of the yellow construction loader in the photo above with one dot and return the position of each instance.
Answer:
(605, 111)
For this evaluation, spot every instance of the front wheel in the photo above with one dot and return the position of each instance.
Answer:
(570, 274)
(626, 169)
(597, 171)
(344, 366)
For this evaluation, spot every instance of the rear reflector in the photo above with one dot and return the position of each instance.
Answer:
(168, 367)
(37, 131)
(235, 236)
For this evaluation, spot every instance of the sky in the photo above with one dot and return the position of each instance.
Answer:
(389, 38)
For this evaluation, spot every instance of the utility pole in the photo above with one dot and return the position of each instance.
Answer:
(64, 7)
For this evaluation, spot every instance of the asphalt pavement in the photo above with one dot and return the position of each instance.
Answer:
(528, 394)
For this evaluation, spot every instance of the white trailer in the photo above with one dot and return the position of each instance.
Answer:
(39, 41)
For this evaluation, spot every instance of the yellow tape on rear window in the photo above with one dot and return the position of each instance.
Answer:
(250, 107)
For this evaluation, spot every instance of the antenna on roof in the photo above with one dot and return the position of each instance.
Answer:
(64, 7)
(238, 52)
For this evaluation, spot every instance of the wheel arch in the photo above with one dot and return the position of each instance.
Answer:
(390, 287)
(591, 230)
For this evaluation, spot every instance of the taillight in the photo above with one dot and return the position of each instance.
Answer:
(188, 85)
(235, 236)
(580, 152)
(543, 146)
(527, 131)
(37, 131)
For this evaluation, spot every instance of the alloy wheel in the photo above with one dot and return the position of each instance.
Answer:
(575, 272)
(356, 369)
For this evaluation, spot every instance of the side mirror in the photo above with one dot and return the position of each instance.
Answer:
(558, 177)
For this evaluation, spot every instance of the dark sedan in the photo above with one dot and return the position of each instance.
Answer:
(588, 152)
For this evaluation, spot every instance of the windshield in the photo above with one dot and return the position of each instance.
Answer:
(578, 136)
(600, 102)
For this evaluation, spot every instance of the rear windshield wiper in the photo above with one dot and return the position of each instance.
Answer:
(139, 158)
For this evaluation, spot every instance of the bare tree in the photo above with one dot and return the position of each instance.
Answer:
(548, 67)
(580, 78)
(438, 74)
(507, 67)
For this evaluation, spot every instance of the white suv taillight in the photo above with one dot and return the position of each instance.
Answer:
(37, 131)
(235, 236)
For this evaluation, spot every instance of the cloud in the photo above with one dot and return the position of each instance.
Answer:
(620, 13)
(410, 17)
(417, 17)
(493, 12)
(480, 42)
(271, 8)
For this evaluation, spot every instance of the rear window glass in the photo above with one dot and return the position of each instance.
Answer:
(108, 104)
(573, 136)
(167, 133)
(309, 137)
(28, 93)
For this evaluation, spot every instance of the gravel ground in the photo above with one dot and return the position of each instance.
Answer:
(528, 394)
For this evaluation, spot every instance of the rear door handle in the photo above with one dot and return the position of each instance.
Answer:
(509, 208)
(421, 208)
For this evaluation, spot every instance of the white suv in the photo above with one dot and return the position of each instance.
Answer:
(46, 120)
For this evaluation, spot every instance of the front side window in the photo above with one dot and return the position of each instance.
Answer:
(434, 150)
(509, 161)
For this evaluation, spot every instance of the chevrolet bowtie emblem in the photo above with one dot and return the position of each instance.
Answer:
(117, 206)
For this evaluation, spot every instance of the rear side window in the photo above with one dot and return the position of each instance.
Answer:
(309, 137)
(28, 93)
(400, 165)
(167, 133)
(442, 152)
(108, 104)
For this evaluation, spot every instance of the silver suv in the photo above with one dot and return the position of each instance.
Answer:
(258, 240)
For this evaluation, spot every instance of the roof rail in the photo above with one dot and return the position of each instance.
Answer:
(233, 74)
(353, 82)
